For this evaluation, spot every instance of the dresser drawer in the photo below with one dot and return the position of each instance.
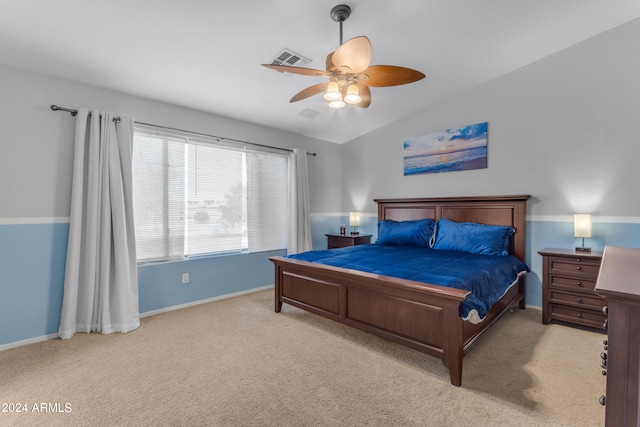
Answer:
(572, 283)
(579, 301)
(575, 267)
(585, 317)
(340, 242)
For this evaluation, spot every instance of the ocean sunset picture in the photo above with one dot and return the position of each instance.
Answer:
(449, 150)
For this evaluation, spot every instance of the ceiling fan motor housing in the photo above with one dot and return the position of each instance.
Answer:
(340, 13)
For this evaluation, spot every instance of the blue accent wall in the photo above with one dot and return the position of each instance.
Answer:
(160, 285)
(32, 262)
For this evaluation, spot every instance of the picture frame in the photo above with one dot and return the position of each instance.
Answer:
(449, 150)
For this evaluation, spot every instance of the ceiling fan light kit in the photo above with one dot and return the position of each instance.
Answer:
(352, 96)
(349, 72)
(333, 92)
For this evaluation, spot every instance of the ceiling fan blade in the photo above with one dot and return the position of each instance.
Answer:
(389, 75)
(297, 70)
(365, 95)
(329, 63)
(354, 54)
(310, 91)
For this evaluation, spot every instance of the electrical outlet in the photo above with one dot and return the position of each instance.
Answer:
(185, 278)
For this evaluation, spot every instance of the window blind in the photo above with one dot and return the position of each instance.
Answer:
(195, 195)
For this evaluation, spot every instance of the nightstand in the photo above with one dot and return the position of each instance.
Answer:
(340, 241)
(568, 282)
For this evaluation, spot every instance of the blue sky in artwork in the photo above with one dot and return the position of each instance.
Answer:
(448, 140)
(477, 131)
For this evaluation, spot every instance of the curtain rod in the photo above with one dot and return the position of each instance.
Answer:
(219, 138)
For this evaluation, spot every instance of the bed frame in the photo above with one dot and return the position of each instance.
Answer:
(421, 316)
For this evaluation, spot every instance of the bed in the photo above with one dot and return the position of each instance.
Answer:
(420, 315)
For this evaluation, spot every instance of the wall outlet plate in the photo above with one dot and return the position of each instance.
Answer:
(185, 278)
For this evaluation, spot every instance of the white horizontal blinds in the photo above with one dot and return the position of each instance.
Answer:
(174, 196)
(158, 176)
(216, 202)
(267, 200)
(195, 195)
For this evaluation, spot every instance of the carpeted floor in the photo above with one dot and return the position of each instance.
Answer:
(235, 362)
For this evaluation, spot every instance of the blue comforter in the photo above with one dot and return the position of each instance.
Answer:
(487, 277)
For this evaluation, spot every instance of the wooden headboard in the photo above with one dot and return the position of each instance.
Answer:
(494, 210)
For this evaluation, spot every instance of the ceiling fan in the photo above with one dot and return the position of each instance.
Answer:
(348, 70)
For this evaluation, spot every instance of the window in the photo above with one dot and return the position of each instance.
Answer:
(196, 195)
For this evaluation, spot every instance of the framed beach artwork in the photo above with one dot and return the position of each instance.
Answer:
(449, 150)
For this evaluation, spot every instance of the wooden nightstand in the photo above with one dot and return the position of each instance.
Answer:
(339, 241)
(568, 282)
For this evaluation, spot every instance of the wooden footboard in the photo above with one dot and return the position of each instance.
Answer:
(424, 317)
(421, 316)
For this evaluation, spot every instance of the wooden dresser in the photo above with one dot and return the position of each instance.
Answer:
(568, 282)
(619, 283)
(340, 241)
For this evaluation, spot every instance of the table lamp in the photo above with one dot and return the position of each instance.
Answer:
(354, 221)
(582, 228)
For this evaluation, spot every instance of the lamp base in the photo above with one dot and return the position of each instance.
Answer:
(582, 249)
(355, 233)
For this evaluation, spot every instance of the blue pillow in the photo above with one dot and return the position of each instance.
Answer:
(472, 237)
(405, 233)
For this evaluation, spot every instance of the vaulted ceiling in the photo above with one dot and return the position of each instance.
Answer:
(206, 54)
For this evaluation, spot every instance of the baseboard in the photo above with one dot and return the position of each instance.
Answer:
(27, 341)
(203, 301)
(145, 314)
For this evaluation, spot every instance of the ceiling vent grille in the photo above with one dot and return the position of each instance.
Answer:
(309, 113)
(290, 58)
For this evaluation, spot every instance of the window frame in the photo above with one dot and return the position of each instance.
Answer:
(168, 136)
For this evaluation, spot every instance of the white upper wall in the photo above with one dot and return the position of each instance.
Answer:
(563, 129)
(36, 144)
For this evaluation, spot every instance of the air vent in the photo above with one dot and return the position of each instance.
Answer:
(307, 112)
(290, 58)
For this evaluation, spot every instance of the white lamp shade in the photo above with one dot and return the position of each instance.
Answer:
(333, 92)
(354, 219)
(352, 96)
(582, 225)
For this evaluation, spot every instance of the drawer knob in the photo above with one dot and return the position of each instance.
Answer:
(605, 310)
(604, 372)
(603, 356)
(602, 400)
(605, 325)
(579, 283)
(579, 300)
(579, 315)
(578, 268)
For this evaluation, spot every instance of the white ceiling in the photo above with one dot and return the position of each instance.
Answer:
(206, 54)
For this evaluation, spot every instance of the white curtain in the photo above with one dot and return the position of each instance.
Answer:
(101, 276)
(299, 222)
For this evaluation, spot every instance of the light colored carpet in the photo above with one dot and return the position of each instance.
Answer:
(235, 362)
